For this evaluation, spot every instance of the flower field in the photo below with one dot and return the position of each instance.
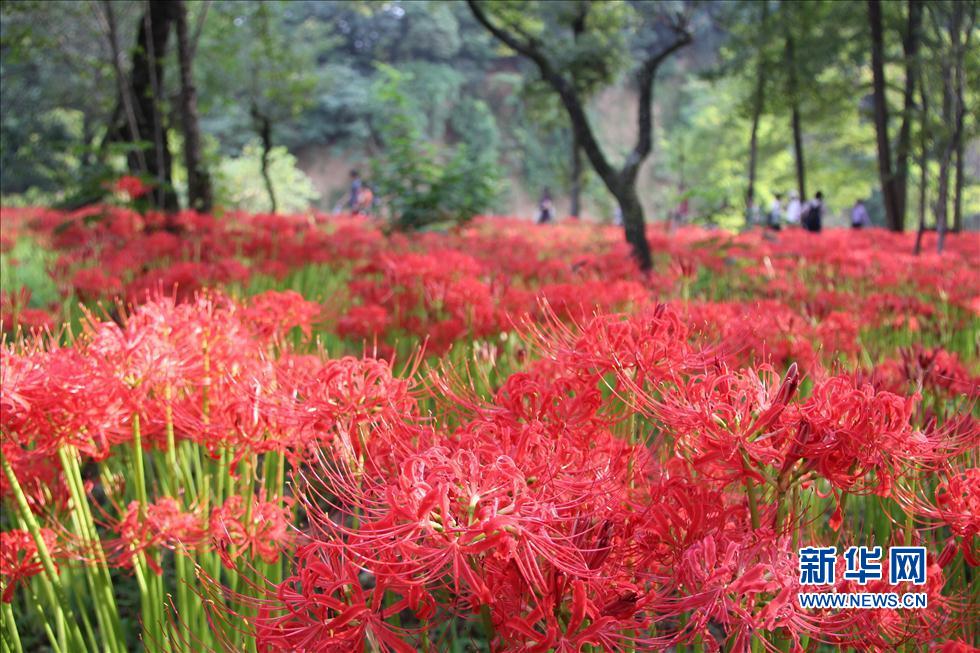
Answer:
(281, 433)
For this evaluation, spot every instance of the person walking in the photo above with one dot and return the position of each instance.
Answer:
(353, 202)
(859, 215)
(812, 218)
(546, 208)
(775, 217)
(794, 211)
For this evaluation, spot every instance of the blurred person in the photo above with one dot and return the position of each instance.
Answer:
(794, 211)
(365, 200)
(859, 215)
(752, 214)
(775, 216)
(546, 208)
(812, 217)
(355, 190)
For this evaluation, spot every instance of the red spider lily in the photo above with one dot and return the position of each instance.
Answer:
(62, 397)
(272, 314)
(727, 423)
(856, 437)
(954, 503)
(255, 526)
(364, 322)
(325, 607)
(159, 524)
(132, 187)
(19, 560)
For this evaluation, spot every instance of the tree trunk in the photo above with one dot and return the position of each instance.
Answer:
(924, 140)
(959, 82)
(958, 186)
(146, 86)
(951, 114)
(634, 225)
(893, 217)
(758, 102)
(263, 127)
(575, 185)
(910, 47)
(793, 91)
(199, 195)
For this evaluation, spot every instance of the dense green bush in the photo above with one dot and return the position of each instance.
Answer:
(419, 182)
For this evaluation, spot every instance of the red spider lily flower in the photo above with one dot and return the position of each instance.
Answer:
(367, 321)
(40, 477)
(19, 560)
(954, 503)
(259, 528)
(94, 283)
(324, 606)
(160, 524)
(272, 314)
(723, 420)
(858, 438)
(59, 397)
(133, 187)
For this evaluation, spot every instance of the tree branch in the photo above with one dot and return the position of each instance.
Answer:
(565, 90)
(645, 79)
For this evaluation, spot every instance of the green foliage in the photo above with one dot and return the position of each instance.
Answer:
(26, 266)
(238, 181)
(420, 183)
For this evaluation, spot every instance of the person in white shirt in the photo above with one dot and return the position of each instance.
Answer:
(859, 216)
(794, 210)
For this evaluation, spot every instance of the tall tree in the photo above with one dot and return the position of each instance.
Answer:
(199, 195)
(885, 173)
(959, 90)
(959, 26)
(145, 130)
(758, 103)
(893, 177)
(793, 93)
(903, 148)
(261, 73)
(670, 34)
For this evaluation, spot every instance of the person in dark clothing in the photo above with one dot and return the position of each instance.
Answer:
(813, 215)
(546, 208)
(355, 190)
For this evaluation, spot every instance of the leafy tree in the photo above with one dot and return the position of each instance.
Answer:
(419, 183)
(655, 37)
(259, 74)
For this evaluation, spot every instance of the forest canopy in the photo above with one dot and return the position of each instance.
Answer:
(762, 98)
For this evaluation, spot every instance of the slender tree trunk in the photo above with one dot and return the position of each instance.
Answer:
(910, 47)
(758, 102)
(959, 79)
(924, 140)
(951, 113)
(263, 127)
(893, 218)
(958, 187)
(793, 91)
(199, 195)
(146, 84)
(575, 190)
(123, 119)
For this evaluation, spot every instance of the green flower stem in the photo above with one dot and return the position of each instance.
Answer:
(54, 592)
